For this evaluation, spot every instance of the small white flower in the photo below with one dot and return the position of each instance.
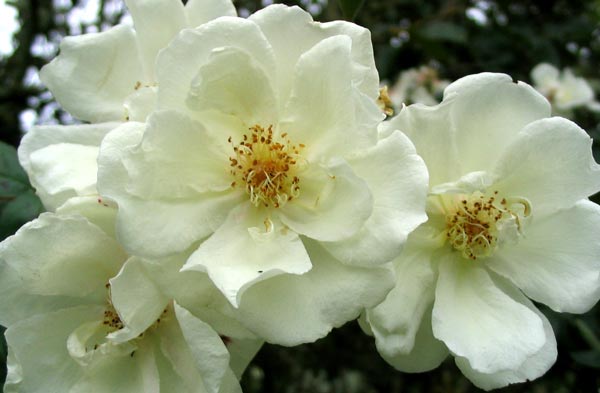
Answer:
(103, 78)
(82, 316)
(563, 89)
(269, 151)
(418, 86)
(508, 217)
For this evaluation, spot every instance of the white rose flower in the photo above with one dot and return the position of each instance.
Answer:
(563, 89)
(82, 316)
(103, 78)
(508, 218)
(269, 151)
(418, 86)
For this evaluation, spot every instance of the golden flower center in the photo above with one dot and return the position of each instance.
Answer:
(266, 166)
(478, 223)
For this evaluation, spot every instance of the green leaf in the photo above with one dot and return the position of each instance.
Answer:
(444, 31)
(18, 211)
(13, 179)
(589, 358)
(350, 8)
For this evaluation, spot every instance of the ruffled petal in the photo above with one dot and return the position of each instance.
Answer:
(282, 25)
(296, 309)
(533, 367)
(160, 228)
(426, 354)
(241, 352)
(94, 73)
(202, 11)
(99, 212)
(112, 174)
(246, 249)
(488, 112)
(63, 256)
(42, 154)
(556, 262)
(176, 159)
(325, 111)
(18, 303)
(195, 46)
(137, 299)
(139, 104)
(208, 351)
(147, 15)
(551, 164)
(397, 177)
(234, 83)
(15, 288)
(155, 227)
(196, 292)
(122, 374)
(395, 321)
(38, 356)
(327, 196)
(478, 321)
(427, 128)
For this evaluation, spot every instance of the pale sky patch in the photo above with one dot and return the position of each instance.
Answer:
(9, 25)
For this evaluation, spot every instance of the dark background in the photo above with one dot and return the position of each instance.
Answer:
(457, 38)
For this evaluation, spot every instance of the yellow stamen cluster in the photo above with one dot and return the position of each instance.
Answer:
(265, 165)
(385, 102)
(473, 226)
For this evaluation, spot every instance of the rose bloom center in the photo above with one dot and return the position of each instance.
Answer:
(477, 224)
(266, 166)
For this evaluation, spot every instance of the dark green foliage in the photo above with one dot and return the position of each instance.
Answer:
(350, 8)
(18, 202)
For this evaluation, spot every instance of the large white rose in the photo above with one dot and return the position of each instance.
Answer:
(508, 215)
(267, 153)
(103, 78)
(82, 316)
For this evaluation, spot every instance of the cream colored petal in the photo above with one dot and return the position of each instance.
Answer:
(137, 299)
(94, 73)
(556, 262)
(427, 353)
(282, 25)
(326, 112)
(397, 177)
(246, 249)
(488, 112)
(38, 358)
(533, 367)
(195, 46)
(551, 164)
(63, 256)
(327, 195)
(294, 309)
(234, 83)
(395, 322)
(480, 322)
(202, 11)
(156, 23)
(43, 153)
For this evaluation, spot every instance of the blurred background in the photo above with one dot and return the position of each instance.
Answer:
(438, 41)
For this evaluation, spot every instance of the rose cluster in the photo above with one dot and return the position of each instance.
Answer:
(234, 181)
